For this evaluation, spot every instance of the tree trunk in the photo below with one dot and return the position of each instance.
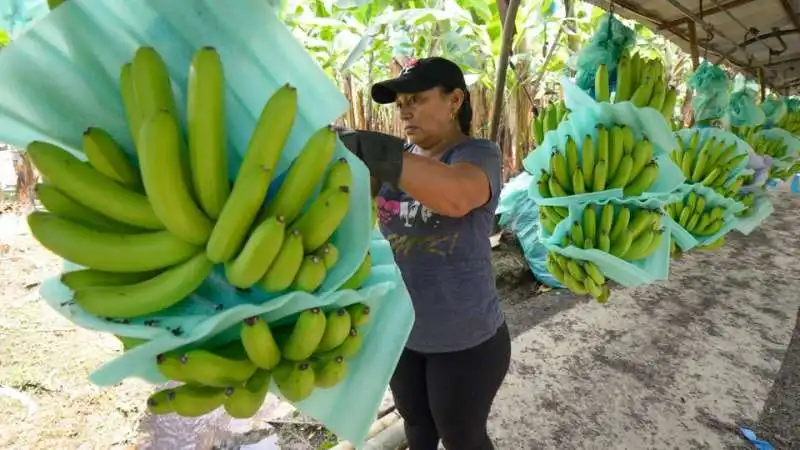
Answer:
(26, 179)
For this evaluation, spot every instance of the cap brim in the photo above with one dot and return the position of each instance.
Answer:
(386, 91)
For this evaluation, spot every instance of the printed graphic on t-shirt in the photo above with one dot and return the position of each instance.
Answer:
(411, 228)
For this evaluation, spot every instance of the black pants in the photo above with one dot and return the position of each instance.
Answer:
(448, 396)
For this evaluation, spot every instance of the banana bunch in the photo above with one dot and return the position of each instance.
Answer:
(580, 277)
(630, 235)
(150, 233)
(785, 173)
(310, 353)
(790, 122)
(710, 163)
(548, 119)
(764, 145)
(694, 214)
(747, 200)
(613, 161)
(641, 81)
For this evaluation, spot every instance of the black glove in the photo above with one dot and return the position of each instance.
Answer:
(381, 153)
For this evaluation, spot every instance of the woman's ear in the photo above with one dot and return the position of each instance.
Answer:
(457, 99)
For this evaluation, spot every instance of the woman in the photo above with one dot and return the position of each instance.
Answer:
(436, 198)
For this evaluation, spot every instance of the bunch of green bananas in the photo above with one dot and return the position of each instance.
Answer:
(312, 352)
(149, 235)
(790, 122)
(710, 163)
(763, 145)
(613, 161)
(548, 119)
(640, 81)
(628, 234)
(695, 215)
(785, 173)
(580, 277)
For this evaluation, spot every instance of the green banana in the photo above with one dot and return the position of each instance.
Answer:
(160, 402)
(151, 84)
(105, 155)
(359, 314)
(305, 336)
(304, 174)
(339, 174)
(622, 174)
(330, 372)
(311, 274)
(337, 328)
(351, 345)
(601, 86)
(643, 181)
(205, 117)
(255, 174)
(329, 254)
(169, 365)
(639, 246)
(620, 223)
(286, 264)
(360, 275)
(295, 380)
(319, 222)
(558, 169)
(87, 186)
(588, 160)
(110, 252)
(245, 401)
(259, 252)
(160, 162)
(259, 344)
(589, 222)
(210, 369)
(63, 206)
(83, 278)
(132, 112)
(147, 297)
(195, 401)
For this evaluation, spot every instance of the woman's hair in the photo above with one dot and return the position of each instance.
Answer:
(464, 112)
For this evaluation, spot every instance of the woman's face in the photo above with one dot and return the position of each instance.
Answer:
(428, 116)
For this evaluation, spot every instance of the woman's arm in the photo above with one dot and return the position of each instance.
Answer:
(451, 190)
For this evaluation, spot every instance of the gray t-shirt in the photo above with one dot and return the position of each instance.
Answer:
(446, 262)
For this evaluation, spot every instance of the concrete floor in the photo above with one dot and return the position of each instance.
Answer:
(676, 365)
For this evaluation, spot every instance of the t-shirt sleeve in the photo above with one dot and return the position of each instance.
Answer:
(485, 155)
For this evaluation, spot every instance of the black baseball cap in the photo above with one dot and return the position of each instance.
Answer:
(420, 75)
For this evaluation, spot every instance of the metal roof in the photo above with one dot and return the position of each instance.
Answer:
(747, 35)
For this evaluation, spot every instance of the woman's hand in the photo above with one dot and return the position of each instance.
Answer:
(381, 153)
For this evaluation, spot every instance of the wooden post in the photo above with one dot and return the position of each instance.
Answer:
(502, 67)
(762, 85)
(688, 115)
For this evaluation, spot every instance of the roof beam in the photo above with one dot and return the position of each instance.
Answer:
(705, 13)
(771, 34)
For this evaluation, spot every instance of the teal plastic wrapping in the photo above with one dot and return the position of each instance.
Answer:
(360, 394)
(706, 133)
(585, 116)
(762, 208)
(792, 146)
(17, 16)
(628, 274)
(259, 55)
(743, 110)
(711, 85)
(685, 240)
(774, 110)
(512, 192)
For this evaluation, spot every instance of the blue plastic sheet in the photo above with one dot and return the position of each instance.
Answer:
(761, 209)
(520, 214)
(61, 82)
(17, 16)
